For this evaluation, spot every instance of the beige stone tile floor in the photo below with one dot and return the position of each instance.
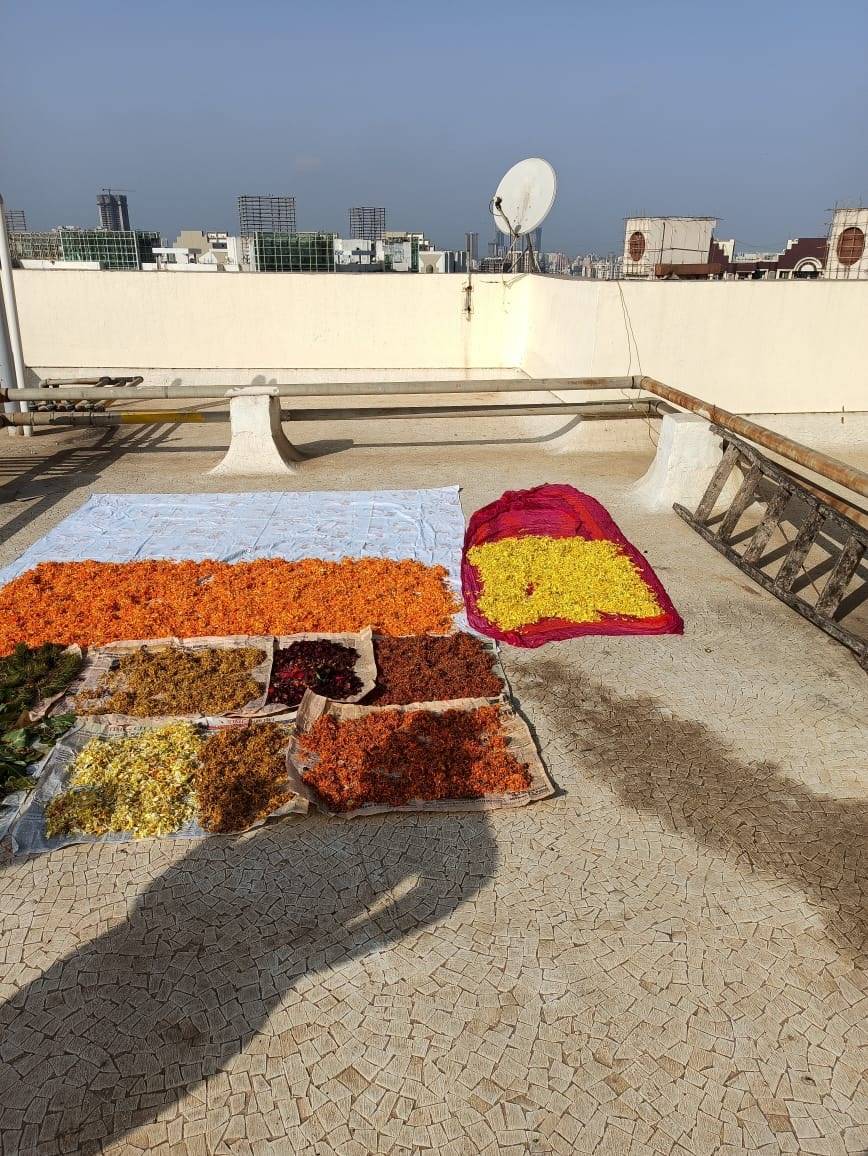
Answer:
(669, 957)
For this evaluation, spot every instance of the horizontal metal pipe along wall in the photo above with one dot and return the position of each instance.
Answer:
(817, 462)
(325, 388)
(102, 419)
(642, 407)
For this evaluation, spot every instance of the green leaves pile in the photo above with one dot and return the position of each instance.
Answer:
(27, 675)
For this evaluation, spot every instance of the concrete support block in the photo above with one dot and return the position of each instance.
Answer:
(257, 444)
(687, 456)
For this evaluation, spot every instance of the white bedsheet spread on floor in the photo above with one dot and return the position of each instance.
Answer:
(427, 525)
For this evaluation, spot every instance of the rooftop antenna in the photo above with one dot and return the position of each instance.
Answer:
(523, 200)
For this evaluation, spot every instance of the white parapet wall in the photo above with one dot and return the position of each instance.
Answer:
(748, 346)
(752, 347)
(263, 323)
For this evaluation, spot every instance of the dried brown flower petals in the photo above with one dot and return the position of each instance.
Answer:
(172, 680)
(427, 669)
(241, 777)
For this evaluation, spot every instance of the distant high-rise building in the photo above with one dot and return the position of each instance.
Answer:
(113, 211)
(515, 252)
(45, 246)
(471, 245)
(15, 220)
(283, 252)
(418, 242)
(558, 263)
(266, 214)
(367, 222)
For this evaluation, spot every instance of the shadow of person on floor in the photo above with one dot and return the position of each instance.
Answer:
(680, 771)
(117, 1032)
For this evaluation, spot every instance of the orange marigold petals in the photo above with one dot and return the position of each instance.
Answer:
(91, 603)
(391, 757)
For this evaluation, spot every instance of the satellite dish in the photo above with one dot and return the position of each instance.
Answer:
(524, 197)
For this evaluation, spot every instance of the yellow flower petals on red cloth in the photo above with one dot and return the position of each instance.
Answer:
(527, 579)
(91, 603)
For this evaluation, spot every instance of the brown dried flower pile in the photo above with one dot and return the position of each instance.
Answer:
(427, 669)
(241, 777)
(168, 680)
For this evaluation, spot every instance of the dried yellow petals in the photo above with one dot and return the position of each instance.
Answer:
(527, 579)
(142, 784)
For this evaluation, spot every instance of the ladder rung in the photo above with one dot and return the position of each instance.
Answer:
(802, 543)
(718, 481)
(771, 518)
(843, 571)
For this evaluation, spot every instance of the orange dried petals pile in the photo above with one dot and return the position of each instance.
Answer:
(391, 757)
(91, 603)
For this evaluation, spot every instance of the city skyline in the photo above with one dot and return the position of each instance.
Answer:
(713, 114)
(285, 220)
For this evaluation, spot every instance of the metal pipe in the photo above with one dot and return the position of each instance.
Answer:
(99, 418)
(137, 379)
(817, 462)
(10, 311)
(854, 513)
(7, 370)
(331, 388)
(641, 407)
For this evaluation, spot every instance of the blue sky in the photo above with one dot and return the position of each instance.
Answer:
(754, 112)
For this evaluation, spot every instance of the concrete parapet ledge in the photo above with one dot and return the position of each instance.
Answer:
(687, 455)
(258, 446)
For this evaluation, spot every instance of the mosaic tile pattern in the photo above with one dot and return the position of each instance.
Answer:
(665, 959)
(670, 957)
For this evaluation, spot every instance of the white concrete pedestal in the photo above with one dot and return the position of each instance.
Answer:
(688, 453)
(257, 444)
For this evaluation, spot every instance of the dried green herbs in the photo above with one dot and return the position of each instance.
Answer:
(28, 675)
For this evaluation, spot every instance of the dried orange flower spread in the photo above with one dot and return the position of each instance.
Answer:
(527, 579)
(96, 602)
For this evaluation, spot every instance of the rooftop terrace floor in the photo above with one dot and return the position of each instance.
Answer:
(667, 957)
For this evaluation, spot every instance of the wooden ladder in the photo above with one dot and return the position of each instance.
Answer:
(824, 526)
